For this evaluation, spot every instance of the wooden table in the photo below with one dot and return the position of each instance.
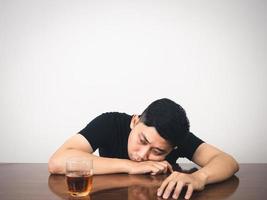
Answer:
(32, 181)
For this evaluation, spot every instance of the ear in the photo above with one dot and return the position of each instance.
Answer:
(134, 121)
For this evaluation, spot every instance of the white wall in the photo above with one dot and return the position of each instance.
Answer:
(63, 62)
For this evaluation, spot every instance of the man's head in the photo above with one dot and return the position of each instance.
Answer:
(162, 126)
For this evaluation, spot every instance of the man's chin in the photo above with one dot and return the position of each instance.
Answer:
(136, 160)
(132, 158)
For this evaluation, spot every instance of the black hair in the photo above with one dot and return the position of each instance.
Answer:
(169, 119)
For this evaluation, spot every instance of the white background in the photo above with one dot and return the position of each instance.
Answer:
(63, 62)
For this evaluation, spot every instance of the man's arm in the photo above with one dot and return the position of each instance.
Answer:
(216, 166)
(77, 145)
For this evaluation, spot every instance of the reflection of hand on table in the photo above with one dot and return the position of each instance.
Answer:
(124, 186)
(58, 186)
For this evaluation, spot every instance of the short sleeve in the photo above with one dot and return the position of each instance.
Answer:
(99, 131)
(189, 146)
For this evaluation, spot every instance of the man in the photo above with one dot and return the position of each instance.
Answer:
(148, 143)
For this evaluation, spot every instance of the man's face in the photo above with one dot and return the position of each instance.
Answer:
(145, 143)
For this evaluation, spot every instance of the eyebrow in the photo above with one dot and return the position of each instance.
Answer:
(161, 150)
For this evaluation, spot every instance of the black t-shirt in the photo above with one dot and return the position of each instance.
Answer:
(109, 133)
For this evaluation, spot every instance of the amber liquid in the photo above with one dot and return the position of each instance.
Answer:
(79, 185)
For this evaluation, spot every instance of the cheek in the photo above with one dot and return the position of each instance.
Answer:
(133, 144)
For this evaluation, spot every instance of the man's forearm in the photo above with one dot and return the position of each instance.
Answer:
(101, 165)
(218, 169)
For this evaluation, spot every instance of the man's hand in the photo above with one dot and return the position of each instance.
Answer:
(152, 167)
(176, 181)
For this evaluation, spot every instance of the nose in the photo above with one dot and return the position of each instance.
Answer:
(143, 154)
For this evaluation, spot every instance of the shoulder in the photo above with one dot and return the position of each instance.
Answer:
(115, 116)
(110, 120)
(105, 127)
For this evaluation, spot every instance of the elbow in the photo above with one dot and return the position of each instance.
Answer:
(54, 166)
(232, 165)
(237, 167)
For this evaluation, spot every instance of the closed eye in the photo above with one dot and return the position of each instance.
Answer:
(157, 152)
(143, 141)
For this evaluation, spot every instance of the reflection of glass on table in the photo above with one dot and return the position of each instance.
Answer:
(139, 187)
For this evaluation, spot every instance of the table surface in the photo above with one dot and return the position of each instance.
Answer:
(33, 181)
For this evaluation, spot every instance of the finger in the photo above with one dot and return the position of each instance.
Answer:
(168, 165)
(169, 189)
(146, 169)
(163, 185)
(189, 191)
(178, 189)
(154, 170)
(161, 167)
